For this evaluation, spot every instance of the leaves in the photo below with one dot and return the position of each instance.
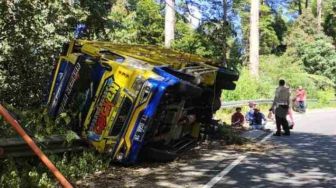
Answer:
(32, 34)
(311, 47)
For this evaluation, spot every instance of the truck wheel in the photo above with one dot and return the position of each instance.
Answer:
(159, 155)
(217, 104)
(226, 74)
(186, 89)
(224, 84)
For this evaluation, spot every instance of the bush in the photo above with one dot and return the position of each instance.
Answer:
(30, 172)
(248, 88)
(227, 134)
(273, 68)
(325, 96)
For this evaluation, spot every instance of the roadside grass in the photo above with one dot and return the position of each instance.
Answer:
(30, 172)
(322, 105)
(225, 114)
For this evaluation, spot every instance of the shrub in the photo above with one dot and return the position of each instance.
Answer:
(273, 68)
(248, 88)
(324, 96)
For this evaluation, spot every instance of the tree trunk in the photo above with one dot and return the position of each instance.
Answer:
(299, 6)
(319, 13)
(307, 4)
(169, 23)
(225, 25)
(254, 38)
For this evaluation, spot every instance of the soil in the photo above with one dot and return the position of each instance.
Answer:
(146, 173)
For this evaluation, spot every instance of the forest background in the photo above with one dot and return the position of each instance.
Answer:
(292, 46)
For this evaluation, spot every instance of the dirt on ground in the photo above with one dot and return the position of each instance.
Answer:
(144, 174)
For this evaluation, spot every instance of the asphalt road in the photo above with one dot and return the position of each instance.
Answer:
(307, 158)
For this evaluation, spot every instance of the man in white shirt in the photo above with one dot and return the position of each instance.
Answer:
(280, 107)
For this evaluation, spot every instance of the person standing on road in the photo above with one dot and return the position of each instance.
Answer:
(280, 108)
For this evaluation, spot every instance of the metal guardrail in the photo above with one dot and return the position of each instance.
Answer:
(16, 146)
(232, 104)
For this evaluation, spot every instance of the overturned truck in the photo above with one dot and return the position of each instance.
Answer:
(134, 101)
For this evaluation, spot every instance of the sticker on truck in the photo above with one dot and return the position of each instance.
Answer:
(105, 105)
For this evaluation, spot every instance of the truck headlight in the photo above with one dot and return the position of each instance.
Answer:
(138, 83)
(120, 156)
(145, 92)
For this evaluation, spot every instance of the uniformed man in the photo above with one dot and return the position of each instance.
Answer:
(280, 107)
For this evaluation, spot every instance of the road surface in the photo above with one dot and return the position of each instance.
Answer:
(307, 158)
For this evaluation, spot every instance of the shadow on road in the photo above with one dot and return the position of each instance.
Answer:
(301, 160)
(196, 166)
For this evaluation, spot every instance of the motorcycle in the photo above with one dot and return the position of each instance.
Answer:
(299, 106)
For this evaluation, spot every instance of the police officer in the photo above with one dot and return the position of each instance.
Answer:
(280, 107)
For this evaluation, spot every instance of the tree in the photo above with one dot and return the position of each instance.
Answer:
(169, 23)
(295, 7)
(254, 38)
(32, 32)
(329, 25)
(319, 13)
(96, 13)
(311, 48)
(299, 6)
(225, 25)
(269, 24)
(148, 23)
(213, 38)
(272, 28)
(306, 4)
(280, 28)
(135, 22)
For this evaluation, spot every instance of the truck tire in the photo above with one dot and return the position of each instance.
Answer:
(226, 85)
(226, 74)
(186, 89)
(159, 155)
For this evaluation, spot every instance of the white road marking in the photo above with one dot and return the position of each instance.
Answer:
(226, 170)
(265, 138)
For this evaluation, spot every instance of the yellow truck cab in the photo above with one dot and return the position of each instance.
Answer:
(132, 101)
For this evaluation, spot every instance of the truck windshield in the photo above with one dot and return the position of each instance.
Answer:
(122, 117)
